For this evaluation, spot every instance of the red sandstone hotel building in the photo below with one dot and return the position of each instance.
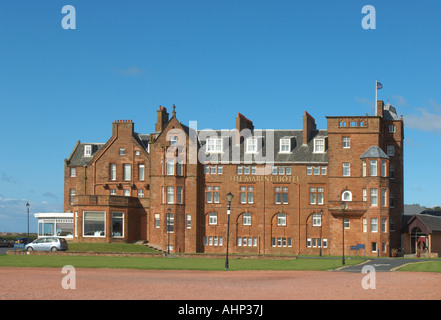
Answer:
(169, 187)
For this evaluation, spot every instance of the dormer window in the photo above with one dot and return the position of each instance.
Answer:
(214, 145)
(87, 150)
(251, 145)
(319, 145)
(285, 145)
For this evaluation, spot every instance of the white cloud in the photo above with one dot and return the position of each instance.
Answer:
(424, 120)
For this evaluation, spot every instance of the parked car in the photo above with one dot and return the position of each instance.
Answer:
(47, 244)
(23, 241)
(5, 242)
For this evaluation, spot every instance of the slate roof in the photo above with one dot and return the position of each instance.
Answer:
(389, 112)
(374, 152)
(77, 158)
(270, 147)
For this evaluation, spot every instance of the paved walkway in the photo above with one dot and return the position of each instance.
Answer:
(381, 264)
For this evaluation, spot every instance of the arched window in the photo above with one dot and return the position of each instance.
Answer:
(346, 195)
(281, 219)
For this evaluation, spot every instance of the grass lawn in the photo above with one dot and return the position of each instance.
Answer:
(426, 266)
(164, 263)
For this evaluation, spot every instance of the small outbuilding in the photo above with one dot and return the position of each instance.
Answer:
(422, 234)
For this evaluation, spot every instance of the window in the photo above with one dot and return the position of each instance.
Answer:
(392, 171)
(170, 221)
(319, 145)
(374, 246)
(173, 140)
(392, 128)
(281, 195)
(180, 168)
(383, 168)
(141, 172)
(179, 195)
(113, 171)
(323, 170)
(374, 225)
(212, 218)
(347, 223)
(281, 219)
(94, 223)
(316, 195)
(364, 168)
(72, 193)
(383, 224)
(316, 219)
(374, 197)
(127, 171)
(309, 170)
(364, 224)
(373, 169)
(390, 151)
(246, 219)
(212, 194)
(285, 145)
(281, 242)
(122, 151)
(126, 192)
(140, 193)
(170, 168)
(117, 224)
(392, 200)
(157, 220)
(346, 169)
(214, 145)
(346, 195)
(346, 142)
(246, 194)
(73, 172)
(251, 145)
(364, 194)
(113, 192)
(383, 197)
(188, 221)
(239, 169)
(87, 150)
(170, 195)
(316, 171)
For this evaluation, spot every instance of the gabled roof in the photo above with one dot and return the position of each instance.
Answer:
(374, 152)
(427, 222)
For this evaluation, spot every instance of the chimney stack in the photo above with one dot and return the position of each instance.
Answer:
(242, 123)
(162, 119)
(308, 126)
(380, 108)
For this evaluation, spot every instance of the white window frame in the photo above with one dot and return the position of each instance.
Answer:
(346, 195)
(346, 169)
(127, 171)
(285, 145)
(346, 142)
(374, 196)
(319, 145)
(214, 145)
(212, 218)
(141, 172)
(246, 219)
(251, 145)
(316, 220)
(88, 150)
(281, 219)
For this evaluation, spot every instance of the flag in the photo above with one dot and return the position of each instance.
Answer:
(379, 85)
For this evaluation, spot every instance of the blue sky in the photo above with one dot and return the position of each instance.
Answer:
(269, 60)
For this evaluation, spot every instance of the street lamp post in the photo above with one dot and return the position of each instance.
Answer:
(27, 207)
(230, 197)
(321, 228)
(168, 231)
(343, 207)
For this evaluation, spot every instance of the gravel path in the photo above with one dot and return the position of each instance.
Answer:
(46, 283)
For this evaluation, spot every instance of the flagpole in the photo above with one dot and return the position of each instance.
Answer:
(375, 104)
